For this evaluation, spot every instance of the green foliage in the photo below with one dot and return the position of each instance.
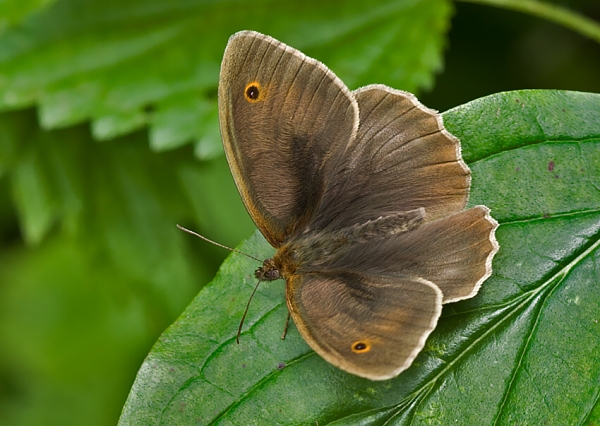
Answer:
(106, 62)
(104, 270)
(12, 12)
(106, 108)
(524, 351)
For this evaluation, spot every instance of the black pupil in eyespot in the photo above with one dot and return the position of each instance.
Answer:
(360, 346)
(252, 92)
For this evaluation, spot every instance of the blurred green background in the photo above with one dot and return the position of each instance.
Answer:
(109, 137)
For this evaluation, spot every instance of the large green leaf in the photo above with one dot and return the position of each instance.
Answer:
(120, 198)
(154, 62)
(524, 351)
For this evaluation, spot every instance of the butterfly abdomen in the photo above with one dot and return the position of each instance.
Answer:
(384, 226)
(313, 249)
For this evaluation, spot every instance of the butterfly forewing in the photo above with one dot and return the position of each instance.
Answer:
(401, 159)
(285, 120)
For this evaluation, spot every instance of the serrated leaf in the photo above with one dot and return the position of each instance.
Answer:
(209, 144)
(524, 351)
(13, 129)
(108, 62)
(34, 192)
(120, 201)
(111, 126)
(177, 121)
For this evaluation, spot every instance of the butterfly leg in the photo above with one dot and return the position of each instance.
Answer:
(287, 323)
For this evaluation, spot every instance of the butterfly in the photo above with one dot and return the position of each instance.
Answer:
(362, 194)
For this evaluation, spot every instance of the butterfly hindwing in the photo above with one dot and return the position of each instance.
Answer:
(371, 326)
(455, 253)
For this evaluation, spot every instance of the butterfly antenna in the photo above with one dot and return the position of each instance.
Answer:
(237, 339)
(217, 244)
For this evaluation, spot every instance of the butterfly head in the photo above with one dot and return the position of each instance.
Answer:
(269, 271)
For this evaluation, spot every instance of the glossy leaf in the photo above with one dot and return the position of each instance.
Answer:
(524, 351)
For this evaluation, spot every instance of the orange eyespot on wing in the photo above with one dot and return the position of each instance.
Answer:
(253, 92)
(361, 347)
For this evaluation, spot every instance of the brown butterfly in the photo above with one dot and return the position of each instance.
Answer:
(362, 194)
